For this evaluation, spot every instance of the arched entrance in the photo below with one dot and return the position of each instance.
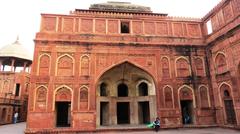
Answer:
(187, 104)
(63, 99)
(125, 95)
(228, 104)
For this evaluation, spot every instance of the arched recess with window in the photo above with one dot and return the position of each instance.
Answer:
(182, 67)
(168, 96)
(227, 103)
(165, 62)
(44, 64)
(65, 65)
(221, 63)
(125, 95)
(103, 89)
(142, 86)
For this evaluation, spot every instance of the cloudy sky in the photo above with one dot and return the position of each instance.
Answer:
(22, 17)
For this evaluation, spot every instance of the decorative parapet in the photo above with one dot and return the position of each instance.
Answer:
(221, 19)
(213, 11)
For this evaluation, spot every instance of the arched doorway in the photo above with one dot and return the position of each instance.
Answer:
(187, 104)
(228, 104)
(63, 97)
(125, 95)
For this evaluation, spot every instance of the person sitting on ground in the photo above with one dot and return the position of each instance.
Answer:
(156, 124)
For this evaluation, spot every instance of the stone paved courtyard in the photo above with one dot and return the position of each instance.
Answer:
(19, 129)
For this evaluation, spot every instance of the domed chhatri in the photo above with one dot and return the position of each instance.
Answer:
(16, 50)
(15, 66)
(120, 7)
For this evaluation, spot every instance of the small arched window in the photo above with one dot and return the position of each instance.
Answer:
(122, 90)
(226, 93)
(103, 89)
(143, 89)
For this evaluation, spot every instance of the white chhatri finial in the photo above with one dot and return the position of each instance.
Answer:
(17, 40)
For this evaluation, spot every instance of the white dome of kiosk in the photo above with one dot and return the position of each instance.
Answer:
(15, 50)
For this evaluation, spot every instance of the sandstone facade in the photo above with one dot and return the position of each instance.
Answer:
(95, 68)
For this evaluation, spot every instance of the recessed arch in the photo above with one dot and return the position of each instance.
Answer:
(208, 96)
(85, 65)
(37, 96)
(39, 62)
(122, 90)
(220, 61)
(199, 61)
(221, 92)
(73, 63)
(227, 103)
(165, 69)
(186, 86)
(103, 89)
(84, 92)
(172, 96)
(56, 90)
(125, 75)
(5, 85)
(108, 84)
(122, 62)
(188, 65)
(146, 82)
(219, 53)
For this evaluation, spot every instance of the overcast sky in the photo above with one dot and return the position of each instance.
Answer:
(22, 17)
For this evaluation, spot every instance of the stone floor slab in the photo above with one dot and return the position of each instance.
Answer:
(20, 127)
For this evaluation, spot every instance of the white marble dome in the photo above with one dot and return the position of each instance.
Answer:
(15, 50)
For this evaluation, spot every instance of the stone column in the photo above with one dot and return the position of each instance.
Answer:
(12, 64)
(134, 109)
(24, 66)
(112, 111)
(1, 65)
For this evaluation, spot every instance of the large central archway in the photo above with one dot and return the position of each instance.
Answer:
(125, 95)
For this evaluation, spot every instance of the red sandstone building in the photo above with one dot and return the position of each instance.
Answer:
(119, 63)
(15, 64)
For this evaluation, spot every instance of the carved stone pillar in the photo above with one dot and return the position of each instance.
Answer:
(24, 66)
(1, 69)
(12, 65)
